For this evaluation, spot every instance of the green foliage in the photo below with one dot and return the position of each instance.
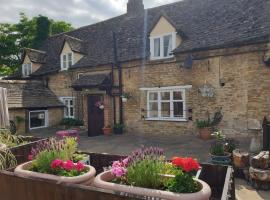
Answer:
(145, 173)
(43, 31)
(203, 123)
(60, 27)
(43, 160)
(183, 183)
(118, 125)
(27, 33)
(79, 157)
(217, 149)
(7, 159)
(71, 122)
(10, 140)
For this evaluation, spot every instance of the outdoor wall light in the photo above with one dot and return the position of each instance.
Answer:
(222, 82)
(266, 60)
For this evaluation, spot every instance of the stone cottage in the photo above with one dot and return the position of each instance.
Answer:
(178, 63)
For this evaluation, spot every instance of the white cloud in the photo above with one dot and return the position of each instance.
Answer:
(77, 12)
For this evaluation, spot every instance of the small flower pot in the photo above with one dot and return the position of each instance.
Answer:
(221, 160)
(118, 131)
(104, 179)
(205, 133)
(107, 131)
(85, 179)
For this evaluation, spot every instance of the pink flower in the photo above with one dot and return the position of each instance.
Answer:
(119, 168)
(30, 157)
(79, 166)
(125, 162)
(68, 165)
(56, 164)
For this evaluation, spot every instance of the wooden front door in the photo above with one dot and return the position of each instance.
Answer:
(95, 116)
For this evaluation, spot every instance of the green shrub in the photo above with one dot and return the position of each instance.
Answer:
(7, 159)
(145, 173)
(203, 123)
(10, 140)
(183, 183)
(71, 122)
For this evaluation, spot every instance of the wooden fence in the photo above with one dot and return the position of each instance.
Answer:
(219, 178)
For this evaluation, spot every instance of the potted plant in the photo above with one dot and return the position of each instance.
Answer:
(118, 128)
(147, 173)
(52, 160)
(68, 123)
(219, 150)
(125, 97)
(107, 130)
(205, 129)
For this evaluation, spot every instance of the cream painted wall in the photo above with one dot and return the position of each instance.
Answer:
(163, 27)
(35, 66)
(67, 49)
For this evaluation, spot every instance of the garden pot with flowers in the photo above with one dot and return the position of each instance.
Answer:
(51, 160)
(147, 173)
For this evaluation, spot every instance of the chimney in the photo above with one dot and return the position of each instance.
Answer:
(135, 7)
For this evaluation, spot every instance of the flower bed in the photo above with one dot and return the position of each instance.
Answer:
(52, 160)
(147, 173)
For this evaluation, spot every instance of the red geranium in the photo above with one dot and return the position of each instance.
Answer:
(79, 166)
(69, 165)
(57, 164)
(187, 164)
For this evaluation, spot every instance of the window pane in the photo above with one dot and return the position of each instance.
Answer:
(165, 109)
(71, 102)
(37, 119)
(153, 109)
(157, 47)
(66, 111)
(153, 96)
(71, 112)
(165, 95)
(29, 69)
(69, 60)
(177, 96)
(178, 109)
(167, 45)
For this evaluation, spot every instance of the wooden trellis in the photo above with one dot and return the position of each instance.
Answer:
(4, 115)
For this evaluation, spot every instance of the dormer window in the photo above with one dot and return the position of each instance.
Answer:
(161, 46)
(66, 61)
(26, 69)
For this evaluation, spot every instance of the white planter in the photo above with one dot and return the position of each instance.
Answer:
(85, 179)
(124, 99)
(104, 179)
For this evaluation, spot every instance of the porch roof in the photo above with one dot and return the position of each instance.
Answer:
(92, 81)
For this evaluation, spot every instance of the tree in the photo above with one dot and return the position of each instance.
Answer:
(27, 33)
(60, 27)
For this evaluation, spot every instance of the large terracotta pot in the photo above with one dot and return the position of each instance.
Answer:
(205, 133)
(107, 131)
(85, 179)
(104, 179)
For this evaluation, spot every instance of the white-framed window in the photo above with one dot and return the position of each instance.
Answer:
(162, 46)
(38, 119)
(167, 103)
(26, 69)
(67, 61)
(69, 107)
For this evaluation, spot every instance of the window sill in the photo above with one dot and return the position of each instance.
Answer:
(164, 119)
(38, 128)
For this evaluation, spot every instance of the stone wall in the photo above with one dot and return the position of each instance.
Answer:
(55, 116)
(244, 97)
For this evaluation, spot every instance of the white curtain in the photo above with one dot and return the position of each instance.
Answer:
(4, 115)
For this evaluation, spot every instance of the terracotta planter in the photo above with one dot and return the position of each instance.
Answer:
(205, 133)
(85, 179)
(107, 131)
(103, 181)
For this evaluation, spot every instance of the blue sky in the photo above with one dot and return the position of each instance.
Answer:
(77, 12)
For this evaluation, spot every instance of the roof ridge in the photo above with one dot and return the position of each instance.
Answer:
(73, 38)
(40, 51)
